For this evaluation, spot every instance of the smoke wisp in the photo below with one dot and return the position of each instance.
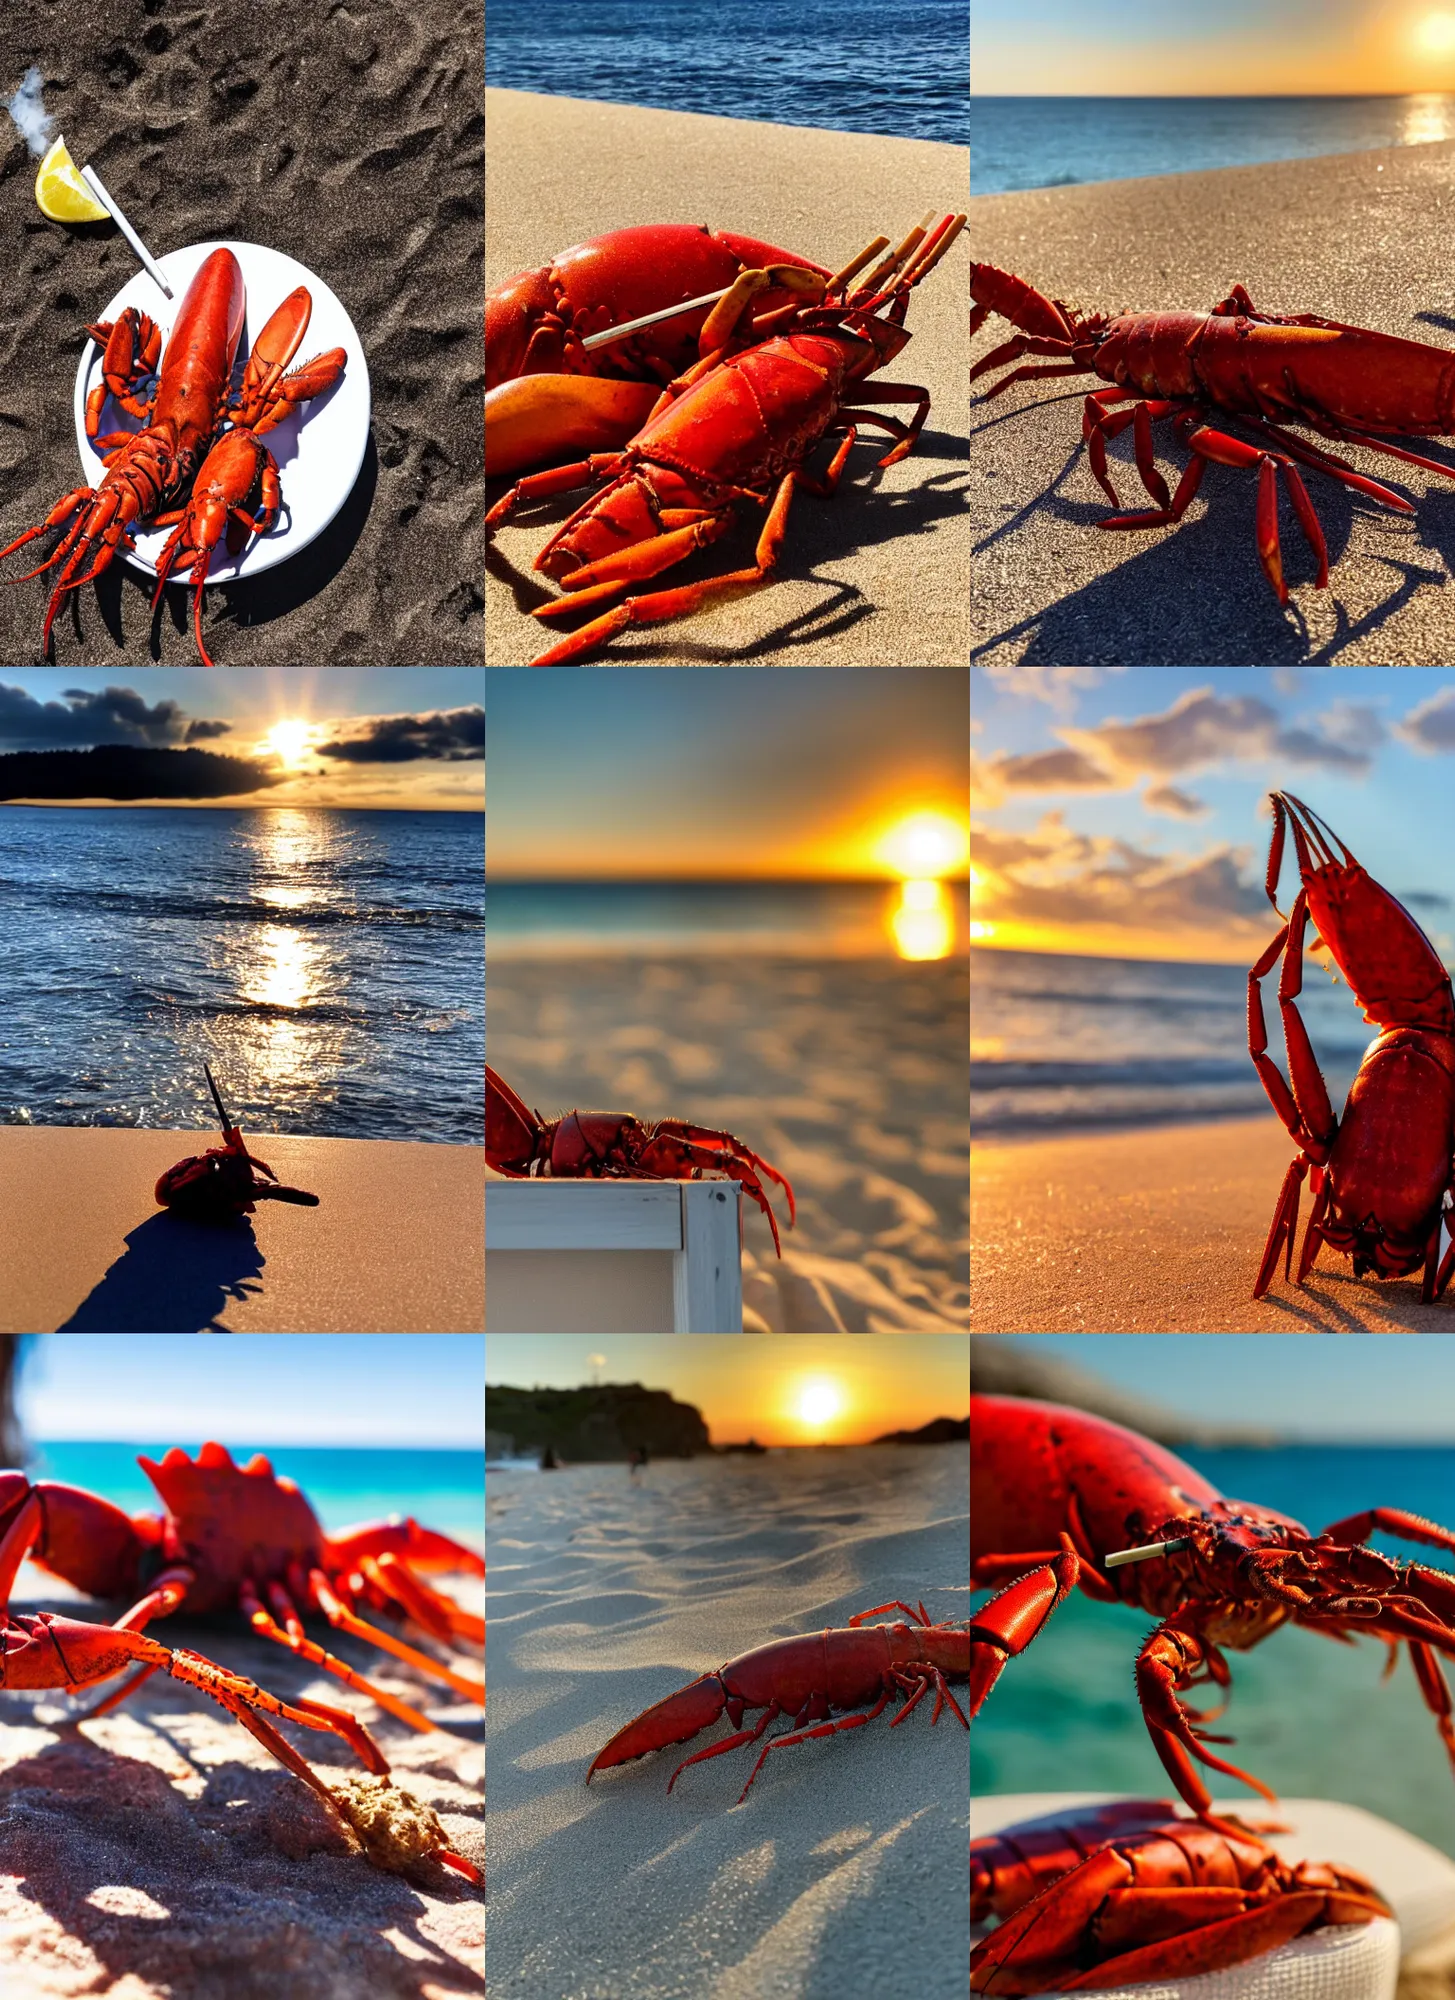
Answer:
(29, 115)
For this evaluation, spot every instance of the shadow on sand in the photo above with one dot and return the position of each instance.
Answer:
(175, 1277)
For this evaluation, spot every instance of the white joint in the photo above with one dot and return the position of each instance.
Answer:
(1146, 1554)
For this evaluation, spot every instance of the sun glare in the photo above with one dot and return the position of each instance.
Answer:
(290, 741)
(925, 844)
(818, 1402)
(1436, 34)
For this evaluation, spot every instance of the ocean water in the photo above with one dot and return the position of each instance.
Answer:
(442, 1489)
(1058, 1043)
(1032, 142)
(1311, 1717)
(328, 965)
(809, 919)
(847, 64)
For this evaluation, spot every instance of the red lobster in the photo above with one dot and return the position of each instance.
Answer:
(229, 1536)
(804, 1678)
(1381, 1174)
(1060, 1498)
(740, 425)
(219, 1184)
(1265, 369)
(612, 1145)
(199, 462)
(1117, 1895)
(546, 394)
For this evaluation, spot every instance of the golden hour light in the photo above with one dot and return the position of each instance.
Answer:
(1435, 34)
(923, 922)
(816, 1401)
(290, 741)
(924, 844)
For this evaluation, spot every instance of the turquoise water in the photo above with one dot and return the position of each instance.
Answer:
(442, 1489)
(1311, 1717)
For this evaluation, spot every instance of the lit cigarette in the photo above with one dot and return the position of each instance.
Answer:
(650, 319)
(1146, 1554)
(109, 202)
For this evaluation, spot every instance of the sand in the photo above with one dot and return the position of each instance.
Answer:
(848, 1075)
(160, 1851)
(349, 139)
(875, 577)
(845, 1867)
(1159, 1231)
(396, 1244)
(1361, 237)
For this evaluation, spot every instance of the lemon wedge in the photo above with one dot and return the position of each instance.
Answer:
(60, 192)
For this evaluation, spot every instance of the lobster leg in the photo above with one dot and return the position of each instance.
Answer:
(737, 1740)
(1305, 1110)
(290, 1633)
(826, 1728)
(1166, 1664)
(338, 1614)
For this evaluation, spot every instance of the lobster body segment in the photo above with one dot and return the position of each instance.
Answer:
(1136, 1894)
(803, 1678)
(1346, 383)
(1382, 1173)
(1055, 1492)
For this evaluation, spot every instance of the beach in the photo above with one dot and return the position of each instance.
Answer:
(845, 1864)
(849, 1075)
(159, 1852)
(1359, 237)
(395, 1244)
(875, 576)
(1160, 1230)
(350, 140)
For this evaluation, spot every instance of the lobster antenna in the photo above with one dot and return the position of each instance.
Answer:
(1121, 1556)
(852, 270)
(217, 1100)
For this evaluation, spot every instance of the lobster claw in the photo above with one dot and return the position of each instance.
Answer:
(540, 417)
(674, 1720)
(275, 347)
(511, 1128)
(1388, 963)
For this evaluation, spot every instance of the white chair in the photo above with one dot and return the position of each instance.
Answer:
(613, 1256)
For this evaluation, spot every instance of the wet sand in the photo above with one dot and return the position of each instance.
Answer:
(350, 140)
(160, 1853)
(395, 1245)
(1359, 237)
(1159, 1231)
(849, 1075)
(845, 1864)
(875, 576)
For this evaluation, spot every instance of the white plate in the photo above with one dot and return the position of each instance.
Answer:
(319, 448)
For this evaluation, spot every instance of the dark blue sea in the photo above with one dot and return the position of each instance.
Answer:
(1311, 1718)
(443, 1489)
(328, 965)
(847, 64)
(1033, 142)
(1059, 1042)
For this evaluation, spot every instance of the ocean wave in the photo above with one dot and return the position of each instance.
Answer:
(252, 910)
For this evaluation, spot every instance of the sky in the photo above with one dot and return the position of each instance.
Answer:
(858, 1386)
(1209, 48)
(383, 1390)
(1123, 812)
(727, 771)
(368, 739)
(1398, 1388)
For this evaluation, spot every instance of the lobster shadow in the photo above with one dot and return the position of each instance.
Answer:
(176, 1276)
(123, 594)
(1196, 596)
(862, 514)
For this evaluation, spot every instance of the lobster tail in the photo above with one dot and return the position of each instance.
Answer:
(674, 1720)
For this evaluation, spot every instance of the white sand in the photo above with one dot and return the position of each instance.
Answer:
(159, 1853)
(843, 1872)
(849, 1075)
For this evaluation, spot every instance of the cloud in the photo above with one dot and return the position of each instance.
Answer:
(125, 771)
(1168, 799)
(1055, 876)
(1200, 728)
(454, 735)
(1430, 727)
(1056, 686)
(85, 716)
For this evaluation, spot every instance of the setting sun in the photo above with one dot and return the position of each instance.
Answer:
(290, 741)
(925, 844)
(1436, 34)
(819, 1399)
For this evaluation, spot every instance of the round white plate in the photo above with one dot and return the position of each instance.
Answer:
(319, 448)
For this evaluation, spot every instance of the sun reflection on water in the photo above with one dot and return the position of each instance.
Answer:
(923, 921)
(1430, 115)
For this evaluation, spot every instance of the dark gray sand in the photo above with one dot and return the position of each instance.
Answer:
(1361, 237)
(349, 138)
(1160, 1232)
(874, 577)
